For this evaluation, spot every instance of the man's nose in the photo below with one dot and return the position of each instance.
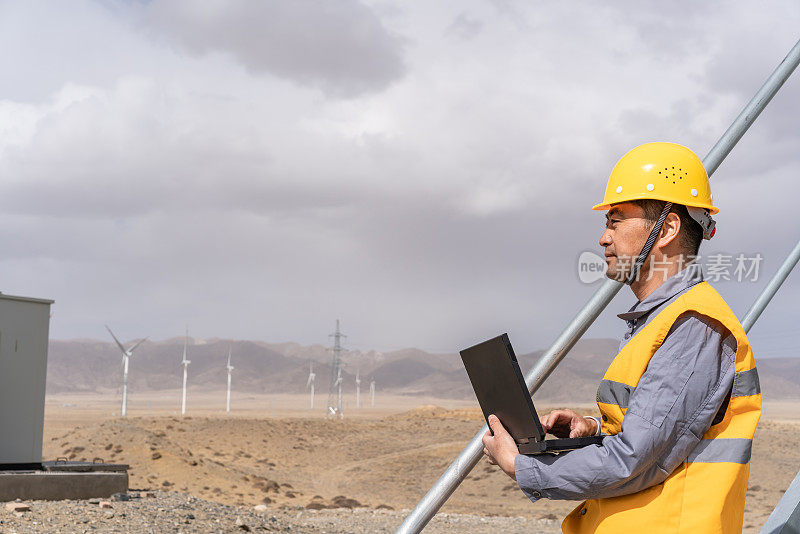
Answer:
(605, 239)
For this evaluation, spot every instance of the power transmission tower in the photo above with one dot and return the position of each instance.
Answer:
(335, 393)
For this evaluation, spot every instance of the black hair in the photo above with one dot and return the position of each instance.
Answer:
(691, 232)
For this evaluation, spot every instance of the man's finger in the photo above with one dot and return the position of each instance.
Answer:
(545, 420)
(496, 425)
(553, 418)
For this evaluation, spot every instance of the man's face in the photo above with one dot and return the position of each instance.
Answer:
(625, 235)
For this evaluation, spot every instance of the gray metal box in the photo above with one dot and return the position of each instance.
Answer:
(24, 333)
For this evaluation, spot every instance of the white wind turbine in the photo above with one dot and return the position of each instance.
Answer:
(311, 378)
(372, 390)
(229, 367)
(185, 364)
(126, 354)
(358, 389)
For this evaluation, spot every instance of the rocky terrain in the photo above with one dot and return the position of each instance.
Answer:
(309, 474)
(179, 512)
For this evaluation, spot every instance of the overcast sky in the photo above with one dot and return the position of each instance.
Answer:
(423, 171)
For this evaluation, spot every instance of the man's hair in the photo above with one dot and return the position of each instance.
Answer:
(691, 234)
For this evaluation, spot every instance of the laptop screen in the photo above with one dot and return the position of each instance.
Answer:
(500, 388)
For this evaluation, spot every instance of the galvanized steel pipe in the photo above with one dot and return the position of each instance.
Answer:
(771, 288)
(469, 457)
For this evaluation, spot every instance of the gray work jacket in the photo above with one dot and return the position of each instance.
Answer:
(672, 406)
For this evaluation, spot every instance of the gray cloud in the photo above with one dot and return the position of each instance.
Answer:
(341, 48)
(174, 186)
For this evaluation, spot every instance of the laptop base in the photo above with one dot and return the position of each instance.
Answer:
(549, 446)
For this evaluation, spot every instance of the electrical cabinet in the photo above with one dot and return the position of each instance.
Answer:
(24, 333)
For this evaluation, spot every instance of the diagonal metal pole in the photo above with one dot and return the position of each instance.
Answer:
(785, 518)
(771, 288)
(469, 457)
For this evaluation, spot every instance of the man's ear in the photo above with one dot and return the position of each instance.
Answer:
(670, 230)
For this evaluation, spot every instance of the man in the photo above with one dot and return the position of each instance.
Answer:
(680, 401)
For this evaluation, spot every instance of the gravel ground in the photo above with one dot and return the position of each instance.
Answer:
(178, 512)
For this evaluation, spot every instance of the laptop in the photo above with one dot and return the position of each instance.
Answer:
(498, 383)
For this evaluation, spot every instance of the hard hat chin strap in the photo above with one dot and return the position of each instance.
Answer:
(704, 219)
(648, 245)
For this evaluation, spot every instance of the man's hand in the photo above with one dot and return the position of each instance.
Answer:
(568, 424)
(500, 448)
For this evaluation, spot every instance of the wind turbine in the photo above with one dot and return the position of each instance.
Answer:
(372, 390)
(311, 378)
(126, 354)
(358, 389)
(185, 364)
(229, 367)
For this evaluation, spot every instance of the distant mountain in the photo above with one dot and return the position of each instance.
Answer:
(91, 365)
(779, 377)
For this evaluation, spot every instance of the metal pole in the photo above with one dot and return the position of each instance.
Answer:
(785, 516)
(772, 287)
(469, 457)
(752, 110)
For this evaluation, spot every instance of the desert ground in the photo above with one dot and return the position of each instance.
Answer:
(272, 449)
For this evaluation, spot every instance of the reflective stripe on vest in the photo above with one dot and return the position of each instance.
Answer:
(611, 392)
(705, 493)
(734, 450)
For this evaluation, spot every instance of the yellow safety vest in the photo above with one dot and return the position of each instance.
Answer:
(706, 493)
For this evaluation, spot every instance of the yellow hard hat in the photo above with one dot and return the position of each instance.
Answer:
(659, 171)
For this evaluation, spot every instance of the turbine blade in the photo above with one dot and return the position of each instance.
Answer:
(133, 348)
(115, 339)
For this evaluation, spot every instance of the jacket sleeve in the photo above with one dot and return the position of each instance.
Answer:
(685, 383)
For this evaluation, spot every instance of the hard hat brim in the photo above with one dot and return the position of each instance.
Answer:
(603, 207)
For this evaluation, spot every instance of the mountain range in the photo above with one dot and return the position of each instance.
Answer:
(92, 365)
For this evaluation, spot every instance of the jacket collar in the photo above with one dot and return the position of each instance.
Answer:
(691, 275)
